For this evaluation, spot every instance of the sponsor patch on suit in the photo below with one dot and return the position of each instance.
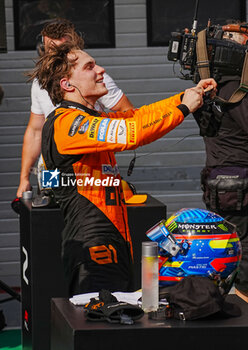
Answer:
(75, 125)
(101, 135)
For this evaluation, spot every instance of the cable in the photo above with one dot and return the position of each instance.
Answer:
(102, 110)
(132, 162)
(81, 95)
(131, 165)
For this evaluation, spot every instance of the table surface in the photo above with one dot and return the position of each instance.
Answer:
(74, 315)
(151, 202)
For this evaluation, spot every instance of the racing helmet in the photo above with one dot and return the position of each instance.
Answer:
(196, 242)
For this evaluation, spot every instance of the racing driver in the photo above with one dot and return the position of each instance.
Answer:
(78, 144)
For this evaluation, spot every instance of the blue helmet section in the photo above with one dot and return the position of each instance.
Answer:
(196, 242)
(196, 216)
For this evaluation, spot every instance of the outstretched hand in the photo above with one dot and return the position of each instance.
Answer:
(193, 98)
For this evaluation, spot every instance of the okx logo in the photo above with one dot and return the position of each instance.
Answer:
(50, 178)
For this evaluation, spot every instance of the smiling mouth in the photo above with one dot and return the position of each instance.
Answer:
(101, 82)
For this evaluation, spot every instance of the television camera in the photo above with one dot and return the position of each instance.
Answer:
(207, 50)
(212, 52)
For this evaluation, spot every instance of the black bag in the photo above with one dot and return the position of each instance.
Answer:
(225, 188)
(196, 297)
(107, 308)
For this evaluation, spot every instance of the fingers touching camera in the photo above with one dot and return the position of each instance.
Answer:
(193, 98)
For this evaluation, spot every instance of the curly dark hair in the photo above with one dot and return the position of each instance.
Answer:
(60, 28)
(52, 67)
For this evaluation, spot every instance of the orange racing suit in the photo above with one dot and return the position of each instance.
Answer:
(80, 143)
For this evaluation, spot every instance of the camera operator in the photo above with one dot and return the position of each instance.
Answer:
(225, 176)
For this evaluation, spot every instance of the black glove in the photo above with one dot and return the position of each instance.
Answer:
(107, 308)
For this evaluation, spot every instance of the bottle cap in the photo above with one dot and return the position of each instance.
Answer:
(149, 249)
(27, 195)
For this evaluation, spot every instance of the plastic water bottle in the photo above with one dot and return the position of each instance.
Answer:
(27, 195)
(149, 276)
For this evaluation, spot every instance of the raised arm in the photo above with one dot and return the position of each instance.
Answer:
(136, 128)
(30, 150)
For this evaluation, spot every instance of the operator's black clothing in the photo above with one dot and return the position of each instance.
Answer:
(230, 147)
(227, 158)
